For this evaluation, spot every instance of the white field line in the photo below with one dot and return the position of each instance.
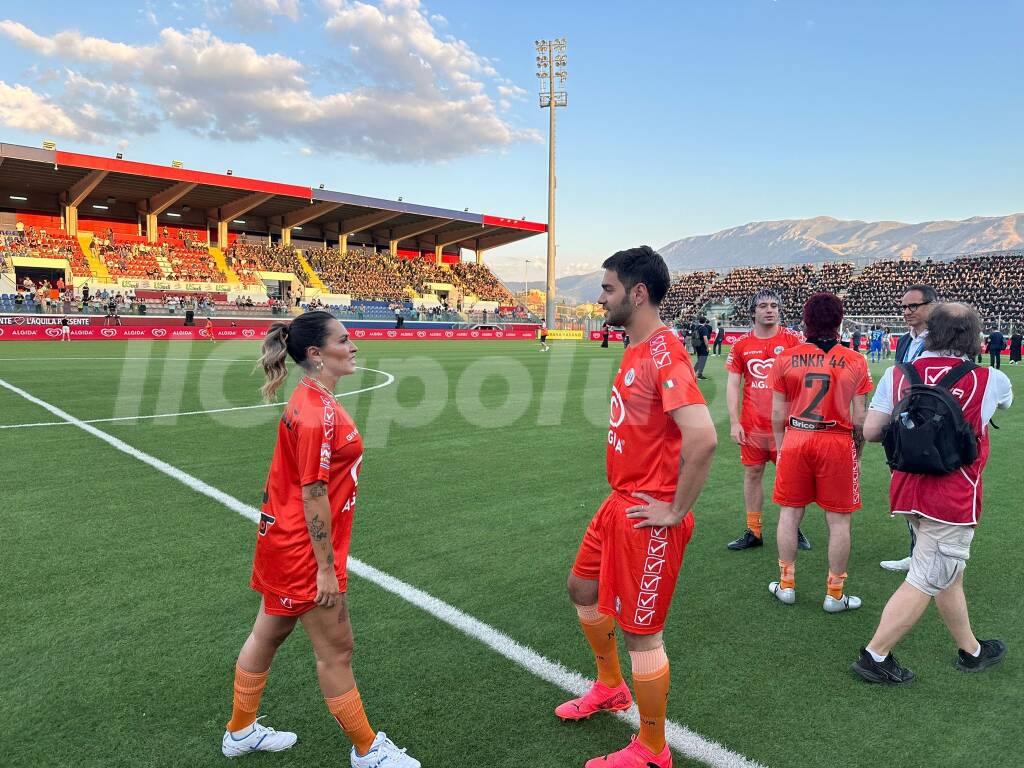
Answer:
(390, 379)
(679, 737)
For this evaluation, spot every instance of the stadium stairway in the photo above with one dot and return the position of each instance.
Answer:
(99, 269)
(314, 278)
(222, 264)
(163, 263)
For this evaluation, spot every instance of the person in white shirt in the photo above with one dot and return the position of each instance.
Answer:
(916, 305)
(943, 509)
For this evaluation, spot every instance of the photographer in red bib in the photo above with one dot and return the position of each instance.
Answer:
(943, 509)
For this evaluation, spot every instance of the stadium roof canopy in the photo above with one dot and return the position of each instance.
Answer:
(100, 187)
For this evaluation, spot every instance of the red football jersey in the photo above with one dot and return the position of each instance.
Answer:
(955, 498)
(753, 358)
(316, 440)
(819, 386)
(655, 376)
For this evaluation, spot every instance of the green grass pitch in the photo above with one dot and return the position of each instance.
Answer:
(125, 594)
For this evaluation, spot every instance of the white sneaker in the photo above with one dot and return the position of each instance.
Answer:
(896, 565)
(258, 739)
(844, 603)
(787, 596)
(384, 753)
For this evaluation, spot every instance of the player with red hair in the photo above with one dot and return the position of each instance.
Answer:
(818, 411)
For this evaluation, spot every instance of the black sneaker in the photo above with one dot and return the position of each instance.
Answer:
(746, 541)
(992, 652)
(888, 671)
(801, 541)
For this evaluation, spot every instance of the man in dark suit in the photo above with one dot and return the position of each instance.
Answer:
(996, 345)
(701, 335)
(916, 304)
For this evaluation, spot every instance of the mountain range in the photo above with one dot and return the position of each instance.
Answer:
(823, 238)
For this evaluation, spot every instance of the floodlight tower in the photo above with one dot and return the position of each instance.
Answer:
(551, 64)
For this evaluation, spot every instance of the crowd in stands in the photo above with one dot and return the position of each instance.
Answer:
(127, 259)
(362, 273)
(690, 294)
(166, 260)
(479, 280)
(993, 283)
(685, 293)
(38, 243)
(192, 263)
(245, 259)
(416, 272)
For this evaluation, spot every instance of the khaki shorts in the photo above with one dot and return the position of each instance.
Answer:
(940, 555)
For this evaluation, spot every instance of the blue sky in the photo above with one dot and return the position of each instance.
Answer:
(684, 118)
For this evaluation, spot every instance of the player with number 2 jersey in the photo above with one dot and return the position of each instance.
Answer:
(818, 411)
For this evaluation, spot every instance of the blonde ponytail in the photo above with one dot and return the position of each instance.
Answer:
(272, 360)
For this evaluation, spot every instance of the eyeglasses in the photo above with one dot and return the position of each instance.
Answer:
(913, 307)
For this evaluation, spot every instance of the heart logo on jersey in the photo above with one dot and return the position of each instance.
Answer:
(759, 369)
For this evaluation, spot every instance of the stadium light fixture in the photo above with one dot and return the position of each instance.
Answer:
(297, 229)
(119, 156)
(101, 207)
(466, 210)
(238, 221)
(49, 145)
(552, 64)
(399, 198)
(19, 198)
(176, 164)
(174, 215)
(185, 209)
(321, 186)
(230, 172)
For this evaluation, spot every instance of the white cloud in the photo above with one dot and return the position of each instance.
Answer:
(511, 92)
(396, 41)
(70, 45)
(26, 110)
(305, 151)
(253, 14)
(410, 96)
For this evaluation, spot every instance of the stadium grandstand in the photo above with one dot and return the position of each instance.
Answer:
(993, 282)
(156, 239)
(162, 240)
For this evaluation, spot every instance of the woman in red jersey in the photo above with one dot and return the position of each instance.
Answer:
(303, 541)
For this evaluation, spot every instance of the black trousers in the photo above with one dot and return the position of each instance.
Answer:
(702, 360)
(718, 346)
(994, 359)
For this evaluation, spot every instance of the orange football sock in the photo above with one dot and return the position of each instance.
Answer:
(600, 633)
(651, 683)
(348, 711)
(248, 691)
(787, 575)
(836, 583)
(754, 522)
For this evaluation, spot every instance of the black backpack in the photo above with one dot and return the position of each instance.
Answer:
(928, 434)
